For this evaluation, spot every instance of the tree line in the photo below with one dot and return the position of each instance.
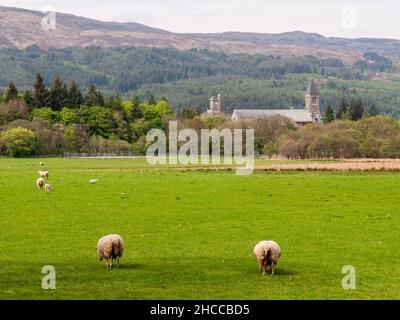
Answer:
(353, 110)
(51, 120)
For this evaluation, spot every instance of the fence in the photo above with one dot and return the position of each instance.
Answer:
(105, 155)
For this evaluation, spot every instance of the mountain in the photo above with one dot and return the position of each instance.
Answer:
(21, 28)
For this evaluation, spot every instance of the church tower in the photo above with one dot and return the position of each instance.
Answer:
(312, 102)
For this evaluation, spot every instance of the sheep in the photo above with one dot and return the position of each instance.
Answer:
(267, 253)
(110, 247)
(40, 183)
(43, 174)
(93, 181)
(41, 164)
(48, 187)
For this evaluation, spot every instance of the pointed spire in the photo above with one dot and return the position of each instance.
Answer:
(312, 89)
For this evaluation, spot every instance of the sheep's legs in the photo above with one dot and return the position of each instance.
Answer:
(109, 263)
(263, 270)
(272, 269)
(261, 267)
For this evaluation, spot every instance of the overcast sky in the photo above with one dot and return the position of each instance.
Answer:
(355, 18)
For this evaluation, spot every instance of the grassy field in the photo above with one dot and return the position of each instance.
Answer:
(189, 235)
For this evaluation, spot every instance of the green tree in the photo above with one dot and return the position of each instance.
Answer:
(58, 95)
(189, 113)
(152, 100)
(342, 111)
(46, 113)
(139, 128)
(75, 97)
(94, 97)
(137, 111)
(140, 145)
(270, 149)
(122, 129)
(28, 98)
(213, 122)
(114, 101)
(373, 111)
(68, 116)
(99, 120)
(77, 138)
(19, 142)
(12, 92)
(356, 109)
(163, 108)
(127, 107)
(40, 94)
(329, 115)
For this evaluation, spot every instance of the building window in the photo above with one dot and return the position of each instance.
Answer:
(314, 100)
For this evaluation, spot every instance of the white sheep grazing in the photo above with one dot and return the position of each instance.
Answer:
(111, 248)
(40, 183)
(43, 174)
(267, 253)
(93, 181)
(48, 187)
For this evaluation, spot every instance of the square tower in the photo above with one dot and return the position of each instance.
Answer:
(215, 106)
(312, 101)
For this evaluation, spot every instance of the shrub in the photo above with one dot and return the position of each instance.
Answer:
(19, 142)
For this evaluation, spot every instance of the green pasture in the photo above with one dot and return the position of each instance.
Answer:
(190, 234)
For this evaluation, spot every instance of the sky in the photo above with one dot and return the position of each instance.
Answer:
(340, 18)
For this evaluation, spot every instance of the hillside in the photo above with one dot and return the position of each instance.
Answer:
(21, 28)
(250, 70)
(189, 78)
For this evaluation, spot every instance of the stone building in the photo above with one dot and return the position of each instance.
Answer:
(310, 114)
(215, 106)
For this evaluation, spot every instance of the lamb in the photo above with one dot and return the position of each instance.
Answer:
(48, 187)
(267, 253)
(40, 183)
(43, 174)
(110, 247)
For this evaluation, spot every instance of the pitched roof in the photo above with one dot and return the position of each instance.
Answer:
(295, 115)
(312, 88)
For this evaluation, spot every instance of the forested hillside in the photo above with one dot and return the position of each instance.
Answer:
(188, 78)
